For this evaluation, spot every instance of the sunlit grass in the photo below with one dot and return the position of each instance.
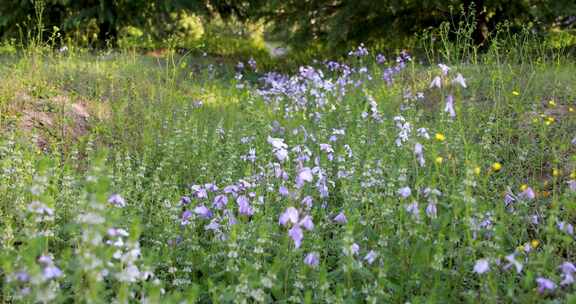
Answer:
(479, 212)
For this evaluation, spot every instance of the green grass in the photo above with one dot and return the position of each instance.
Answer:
(148, 139)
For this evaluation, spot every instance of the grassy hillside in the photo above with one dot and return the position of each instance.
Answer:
(133, 178)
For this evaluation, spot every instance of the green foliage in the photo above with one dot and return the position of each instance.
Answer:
(345, 23)
(158, 125)
(336, 25)
(99, 21)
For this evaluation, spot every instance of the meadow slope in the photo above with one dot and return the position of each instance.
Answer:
(374, 179)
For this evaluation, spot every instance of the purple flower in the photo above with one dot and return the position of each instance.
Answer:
(419, 152)
(413, 209)
(354, 248)
(185, 200)
(283, 191)
(186, 216)
(279, 148)
(481, 266)
(545, 285)
(213, 226)
(307, 201)
(230, 216)
(431, 210)
(232, 189)
(51, 272)
(279, 173)
(244, 207)
(252, 63)
(341, 218)
(199, 192)
(220, 201)
(568, 267)
(534, 219)
(326, 148)
(449, 108)
(289, 216)
(40, 208)
(423, 132)
(512, 262)
(566, 227)
(211, 187)
(371, 257)
(281, 154)
(527, 194)
(297, 235)
(202, 211)
(305, 175)
(360, 51)
(22, 276)
(117, 200)
(568, 271)
(404, 192)
(509, 198)
(277, 143)
(307, 223)
(572, 185)
(380, 59)
(322, 187)
(312, 259)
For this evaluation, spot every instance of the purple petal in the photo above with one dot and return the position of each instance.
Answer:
(297, 235)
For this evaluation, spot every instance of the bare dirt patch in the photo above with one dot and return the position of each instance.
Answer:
(59, 119)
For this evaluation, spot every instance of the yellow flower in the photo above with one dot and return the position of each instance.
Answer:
(439, 160)
(523, 187)
(570, 109)
(477, 170)
(550, 120)
(573, 174)
(440, 137)
(555, 172)
(552, 103)
(496, 166)
(534, 243)
(515, 93)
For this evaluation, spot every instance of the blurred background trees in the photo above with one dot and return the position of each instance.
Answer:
(334, 23)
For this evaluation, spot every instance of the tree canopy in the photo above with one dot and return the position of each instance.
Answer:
(335, 22)
(341, 21)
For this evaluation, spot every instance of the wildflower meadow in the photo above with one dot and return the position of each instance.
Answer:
(378, 177)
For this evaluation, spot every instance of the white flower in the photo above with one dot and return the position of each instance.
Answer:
(418, 150)
(460, 80)
(444, 68)
(436, 82)
(277, 143)
(449, 108)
